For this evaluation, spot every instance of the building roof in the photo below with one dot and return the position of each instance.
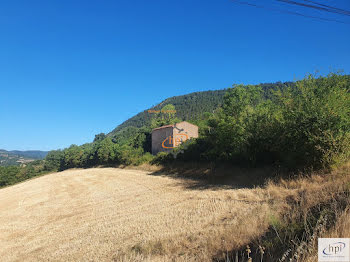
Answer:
(171, 125)
(163, 127)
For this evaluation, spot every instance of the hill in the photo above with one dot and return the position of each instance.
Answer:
(16, 157)
(34, 154)
(248, 125)
(188, 107)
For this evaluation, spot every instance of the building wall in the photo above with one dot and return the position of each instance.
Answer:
(179, 133)
(185, 128)
(158, 136)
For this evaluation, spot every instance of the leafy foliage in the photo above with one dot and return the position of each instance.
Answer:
(10, 175)
(301, 124)
(188, 108)
(297, 125)
(15, 157)
(304, 125)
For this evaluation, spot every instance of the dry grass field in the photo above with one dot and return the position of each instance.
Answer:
(102, 214)
(111, 214)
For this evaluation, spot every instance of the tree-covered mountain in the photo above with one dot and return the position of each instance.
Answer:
(16, 157)
(34, 154)
(194, 107)
(295, 124)
(188, 107)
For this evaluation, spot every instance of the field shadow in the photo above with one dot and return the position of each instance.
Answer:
(198, 176)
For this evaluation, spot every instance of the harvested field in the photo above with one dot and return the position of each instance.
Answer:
(106, 214)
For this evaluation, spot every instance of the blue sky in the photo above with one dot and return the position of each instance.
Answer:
(72, 69)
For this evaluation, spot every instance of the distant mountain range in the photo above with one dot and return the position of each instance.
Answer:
(16, 157)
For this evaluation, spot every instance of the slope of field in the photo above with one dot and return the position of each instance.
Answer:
(105, 214)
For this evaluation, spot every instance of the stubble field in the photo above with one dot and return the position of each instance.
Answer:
(106, 214)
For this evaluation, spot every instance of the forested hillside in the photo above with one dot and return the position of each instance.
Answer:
(192, 107)
(245, 125)
(34, 154)
(16, 157)
(304, 124)
(188, 107)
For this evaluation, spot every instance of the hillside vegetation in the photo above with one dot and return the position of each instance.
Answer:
(15, 157)
(301, 125)
(188, 107)
(298, 126)
(10, 175)
(268, 175)
(306, 126)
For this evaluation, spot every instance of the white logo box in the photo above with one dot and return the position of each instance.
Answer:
(334, 249)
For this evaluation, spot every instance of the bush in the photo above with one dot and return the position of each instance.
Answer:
(13, 174)
(53, 160)
(161, 158)
(304, 125)
(128, 155)
(145, 158)
(315, 129)
(8, 175)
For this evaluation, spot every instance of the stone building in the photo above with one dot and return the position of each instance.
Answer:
(165, 138)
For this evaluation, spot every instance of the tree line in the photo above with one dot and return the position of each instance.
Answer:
(302, 125)
(296, 125)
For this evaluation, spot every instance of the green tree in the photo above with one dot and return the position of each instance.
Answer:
(143, 139)
(306, 124)
(53, 160)
(316, 121)
(105, 151)
(167, 116)
(99, 137)
(72, 157)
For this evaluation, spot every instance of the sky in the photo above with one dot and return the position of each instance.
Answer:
(73, 69)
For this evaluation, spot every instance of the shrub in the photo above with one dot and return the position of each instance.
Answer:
(53, 160)
(162, 157)
(128, 155)
(304, 125)
(315, 129)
